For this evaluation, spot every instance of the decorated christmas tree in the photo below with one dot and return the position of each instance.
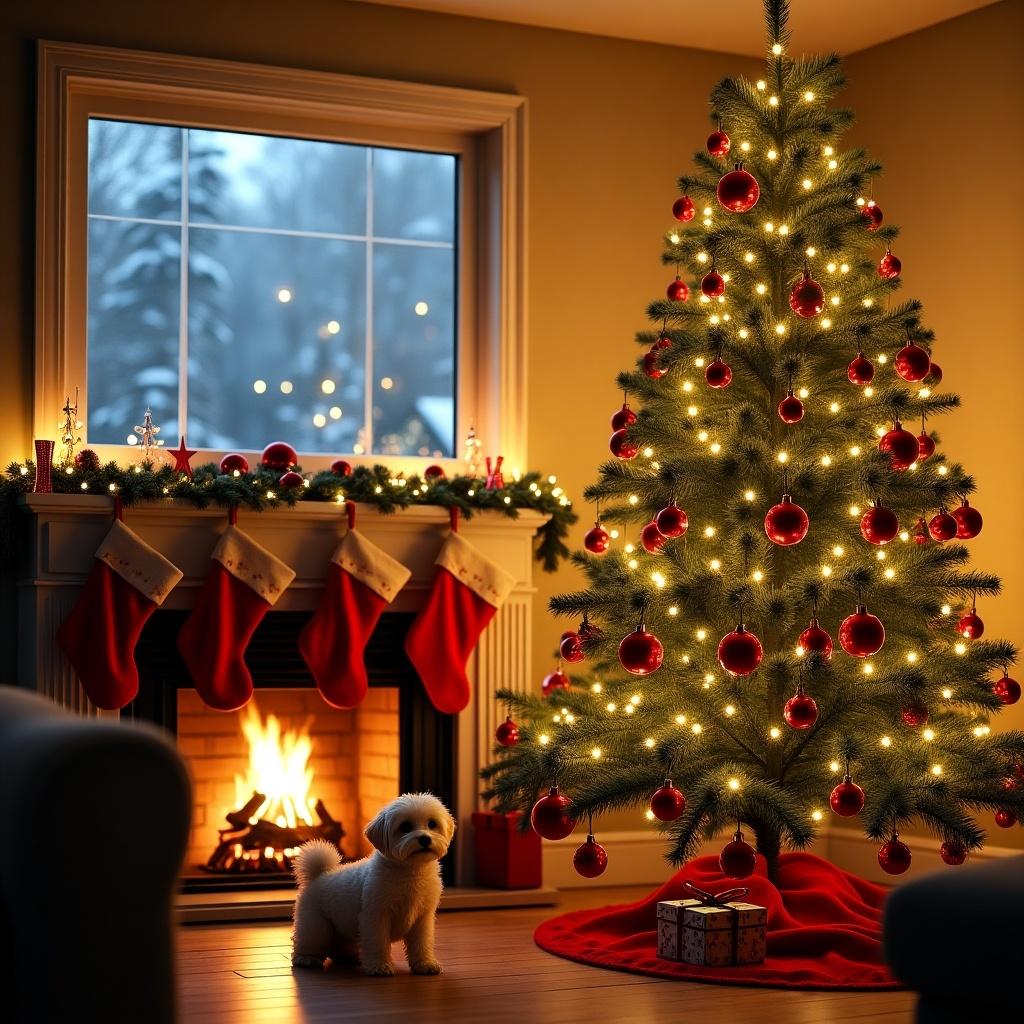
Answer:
(779, 622)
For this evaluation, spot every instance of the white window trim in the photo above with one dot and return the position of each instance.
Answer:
(76, 82)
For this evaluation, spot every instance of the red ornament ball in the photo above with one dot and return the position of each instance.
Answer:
(847, 799)
(738, 858)
(970, 626)
(279, 455)
(678, 290)
(894, 857)
(590, 858)
(791, 409)
(800, 711)
(787, 523)
(942, 526)
(861, 634)
(718, 373)
(556, 680)
(925, 446)
(667, 803)
(622, 446)
(672, 521)
(652, 538)
(571, 649)
(1007, 690)
(872, 213)
(861, 370)
(434, 473)
(914, 714)
(920, 532)
(816, 640)
(597, 540)
(640, 652)
(889, 266)
(740, 652)
(550, 818)
(683, 209)
(879, 524)
(934, 375)
(290, 481)
(88, 461)
(625, 417)
(712, 284)
(507, 734)
(651, 367)
(912, 363)
(738, 191)
(1006, 818)
(587, 630)
(968, 521)
(339, 467)
(806, 298)
(901, 447)
(718, 143)
(953, 853)
(663, 342)
(233, 463)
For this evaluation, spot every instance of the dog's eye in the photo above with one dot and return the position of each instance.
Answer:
(406, 826)
(432, 824)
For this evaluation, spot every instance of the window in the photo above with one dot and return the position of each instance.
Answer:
(257, 254)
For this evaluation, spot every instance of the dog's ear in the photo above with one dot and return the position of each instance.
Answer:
(379, 831)
(450, 823)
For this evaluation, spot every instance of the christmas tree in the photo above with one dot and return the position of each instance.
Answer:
(783, 622)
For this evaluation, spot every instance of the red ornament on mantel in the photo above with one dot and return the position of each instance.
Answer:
(738, 190)
(678, 290)
(672, 521)
(738, 858)
(800, 711)
(233, 462)
(549, 816)
(553, 681)
(290, 481)
(683, 209)
(719, 143)
(816, 640)
(667, 803)
(968, 521)
(339, 467)
(879, 524)
(279, 456)
(970, 626)
(718, 373)
(622, 446)
(652, 538)
(807, 297)
(625, 417)
(712, 284)
(861, 634)
(740, 652)
(640, 652)
(433, 473)
(872, 213)
(889, 266)
(507, 734)
(912, 363)
(942, 526)
(953, 852)
(894, 857)
(590, 858)
(1007, 690)
(861, 370)
(597, 540)
(901, 447)
(791, 409)
(787, 523)
(847, 799)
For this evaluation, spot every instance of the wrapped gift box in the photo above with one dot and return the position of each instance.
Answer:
(505, 857)
(712, 931)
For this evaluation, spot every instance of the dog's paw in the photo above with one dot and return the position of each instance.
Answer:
(304, 960)
(379, 970)
(426, 967)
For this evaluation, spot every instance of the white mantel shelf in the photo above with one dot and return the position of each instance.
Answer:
(64, 531)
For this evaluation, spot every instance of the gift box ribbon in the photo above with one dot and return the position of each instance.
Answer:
(720, 899)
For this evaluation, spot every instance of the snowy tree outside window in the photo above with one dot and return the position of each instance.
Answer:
(250, 288)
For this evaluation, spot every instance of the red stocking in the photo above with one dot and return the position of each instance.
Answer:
(127, 583)
(245, 581)
(467, 590)
(362, 580)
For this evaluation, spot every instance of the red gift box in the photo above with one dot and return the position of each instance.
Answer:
(505, 857)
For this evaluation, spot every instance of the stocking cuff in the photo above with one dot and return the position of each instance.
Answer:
(252, 564)
(139, 565)
(473, 568)
(373, 567)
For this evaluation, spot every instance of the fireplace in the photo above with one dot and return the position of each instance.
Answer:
(322, 771)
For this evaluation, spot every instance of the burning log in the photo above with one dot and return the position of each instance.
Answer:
(264, 846)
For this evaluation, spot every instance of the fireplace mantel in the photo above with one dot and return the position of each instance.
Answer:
(64, 531)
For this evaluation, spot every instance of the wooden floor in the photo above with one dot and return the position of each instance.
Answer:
(493, 973)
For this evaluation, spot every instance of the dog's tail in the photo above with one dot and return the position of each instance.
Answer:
(315, 858)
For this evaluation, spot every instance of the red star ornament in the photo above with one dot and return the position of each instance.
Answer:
(181, 456)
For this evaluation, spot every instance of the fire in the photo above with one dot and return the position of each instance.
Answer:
(278, 768)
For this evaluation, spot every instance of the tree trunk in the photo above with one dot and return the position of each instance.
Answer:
(769, 843)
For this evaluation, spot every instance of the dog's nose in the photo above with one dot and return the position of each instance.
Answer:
(424, 841)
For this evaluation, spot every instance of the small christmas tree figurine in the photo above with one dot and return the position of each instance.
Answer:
(148, 444)
(69, 427)
(789, 627)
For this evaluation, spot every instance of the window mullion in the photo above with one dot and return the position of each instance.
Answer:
(368, 354)
(183, 291)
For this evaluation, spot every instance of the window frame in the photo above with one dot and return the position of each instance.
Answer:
(485, 130)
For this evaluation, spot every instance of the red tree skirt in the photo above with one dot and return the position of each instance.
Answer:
(824, 929)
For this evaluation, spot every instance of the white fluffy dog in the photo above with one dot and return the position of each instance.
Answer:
(349, 911)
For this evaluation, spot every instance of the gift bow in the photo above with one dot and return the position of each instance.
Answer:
(710, 899)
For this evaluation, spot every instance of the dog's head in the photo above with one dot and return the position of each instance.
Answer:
(416, 827)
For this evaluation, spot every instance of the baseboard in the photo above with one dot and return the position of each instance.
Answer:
(638, 857)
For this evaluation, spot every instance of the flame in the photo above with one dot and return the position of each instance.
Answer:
(278, 768)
